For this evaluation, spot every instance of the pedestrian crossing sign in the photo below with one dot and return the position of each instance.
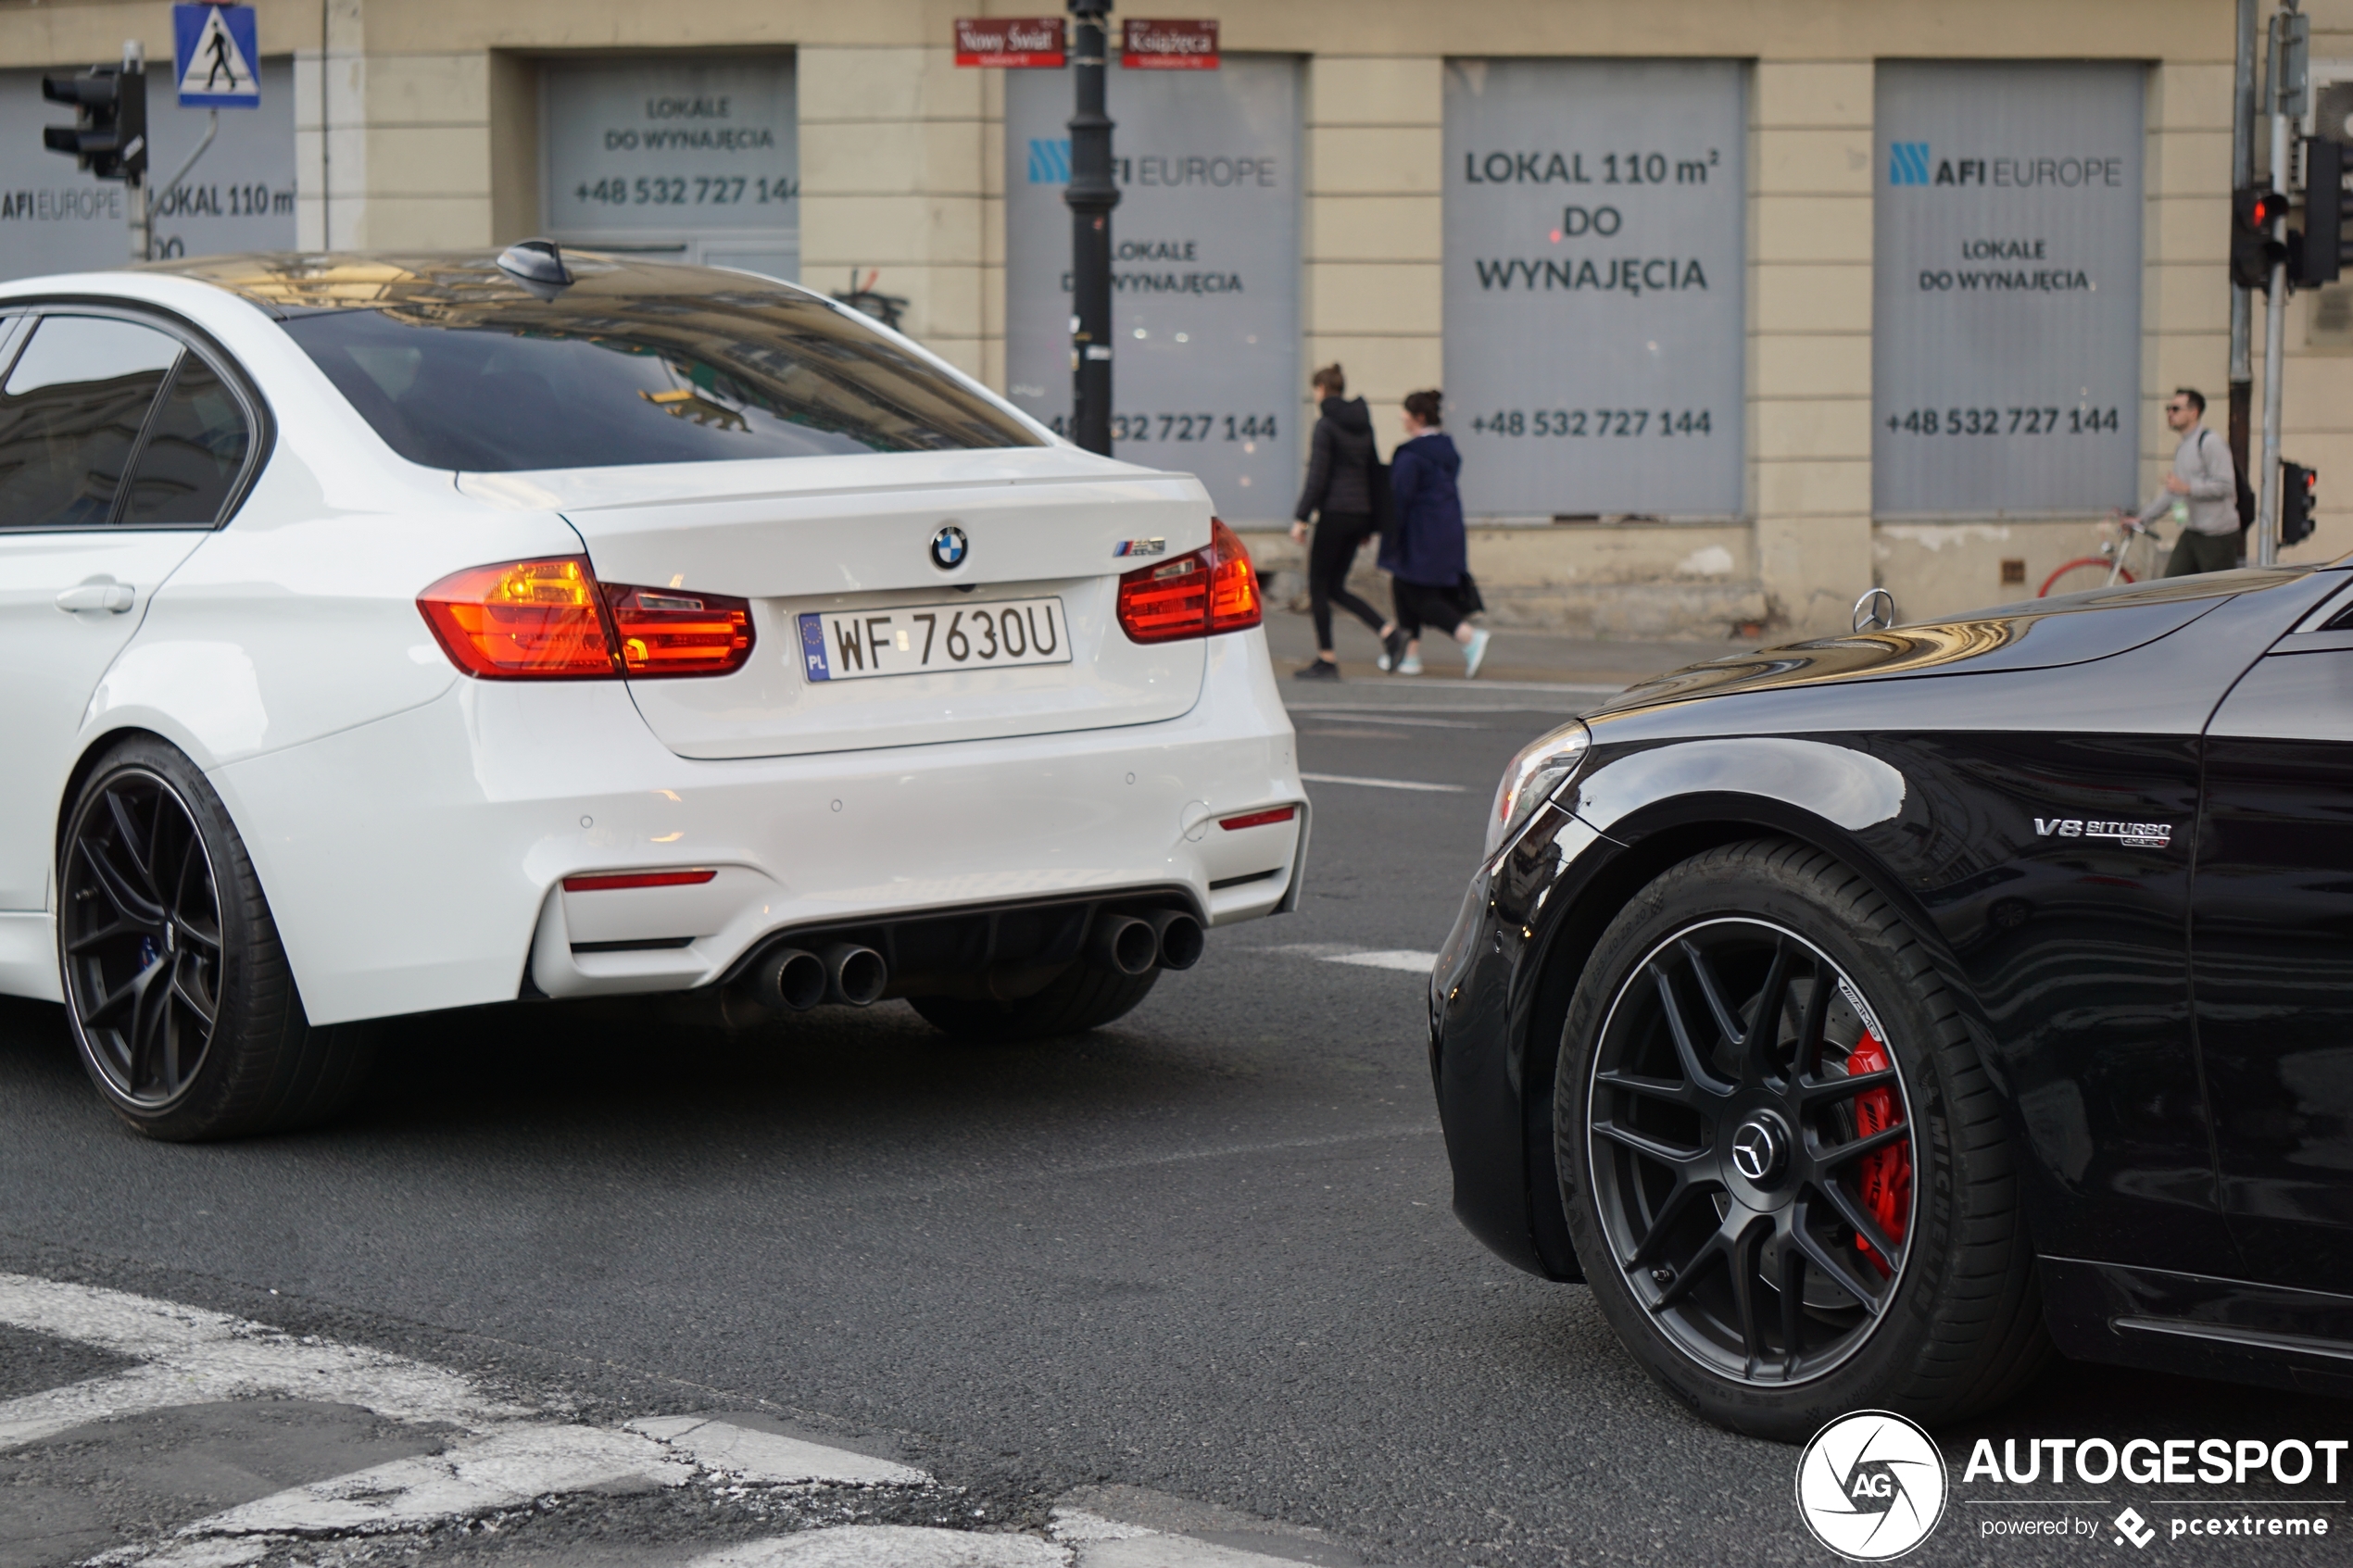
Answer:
(217, 51)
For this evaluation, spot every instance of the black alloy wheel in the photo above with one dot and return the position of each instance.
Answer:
(1786, 1172)
(1752, 1152)
(183, 1005)
(142, 938)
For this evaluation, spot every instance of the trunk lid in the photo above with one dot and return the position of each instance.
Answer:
(848, 540)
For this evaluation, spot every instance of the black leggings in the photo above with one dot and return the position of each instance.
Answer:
(1330, 556)
(1419, 605)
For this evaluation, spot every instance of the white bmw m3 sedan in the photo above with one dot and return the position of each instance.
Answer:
(396, 634)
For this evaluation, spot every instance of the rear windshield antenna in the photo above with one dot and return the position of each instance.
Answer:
(535, 261)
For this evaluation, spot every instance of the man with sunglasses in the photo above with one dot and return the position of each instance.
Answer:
(2201, 493)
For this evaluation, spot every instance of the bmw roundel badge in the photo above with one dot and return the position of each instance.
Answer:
(947, 547)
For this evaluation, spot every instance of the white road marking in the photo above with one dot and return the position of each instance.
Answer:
(1402, 958)
(890, 1546)
(505, 1470)
(1399, 958)
(1380, 715)
(194, 1356)
(772, 1460)
(1382, 783)
(504, 1459)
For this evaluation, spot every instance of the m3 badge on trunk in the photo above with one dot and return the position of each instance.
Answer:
(948, 547)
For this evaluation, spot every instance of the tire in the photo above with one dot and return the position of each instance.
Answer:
(181, 1001)
(1082, 998)
(1932, 1311)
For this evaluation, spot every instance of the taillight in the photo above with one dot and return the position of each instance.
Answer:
(529, 620)
(670, 632)
(552, 620)
(1258, 819)
(1233, 582)
(1213, 589)
(601, 882)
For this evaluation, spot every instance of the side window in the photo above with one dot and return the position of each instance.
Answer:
(196, 445)
(70, 411)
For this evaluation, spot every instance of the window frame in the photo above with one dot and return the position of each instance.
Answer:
(23, 317)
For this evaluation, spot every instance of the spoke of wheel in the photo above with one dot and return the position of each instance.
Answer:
(127, 900)
(1808, 1061)
(1865, 1224)
(1744, 1252)
(1675, 1091)
(1702, 1079)
(1792, 1286)
(1727, 1024)
(194, 1000)
(1708, 1256)
(1831, 1268)
(128, 834)
(1814, 1091)
(1847, 1153)
(150, 1006)
(110, 932)
(1670, 1213)
(1678, 1160)
(1764, 1031)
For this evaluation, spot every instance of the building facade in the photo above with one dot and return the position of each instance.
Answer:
(1741, 308)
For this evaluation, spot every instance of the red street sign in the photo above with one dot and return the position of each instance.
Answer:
(1166, 46)
(1010, 40)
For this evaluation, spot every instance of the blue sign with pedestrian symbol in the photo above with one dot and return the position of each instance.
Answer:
(217, 52)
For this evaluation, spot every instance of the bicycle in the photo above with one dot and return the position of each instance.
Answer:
(2077, 575)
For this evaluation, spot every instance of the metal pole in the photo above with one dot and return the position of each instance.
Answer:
(211, 128)
(1091, 196)
(2267, 511)
(135, 189)
(2242, 300)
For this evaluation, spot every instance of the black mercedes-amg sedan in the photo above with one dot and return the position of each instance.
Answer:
(1863, 1019)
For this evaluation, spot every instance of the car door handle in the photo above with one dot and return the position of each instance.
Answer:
(113, 598)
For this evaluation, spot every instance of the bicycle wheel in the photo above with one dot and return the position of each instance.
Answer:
(2079, 576)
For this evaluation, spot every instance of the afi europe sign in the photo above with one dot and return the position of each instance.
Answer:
(1205, 273)
(2006, 304)
(1594, 265)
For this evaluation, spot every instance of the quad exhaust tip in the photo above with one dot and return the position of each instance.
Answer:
(1124, 943)
(854, 974)
(794, 979)
(1178, 937)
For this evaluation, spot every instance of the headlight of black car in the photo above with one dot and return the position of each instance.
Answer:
(1541, 767)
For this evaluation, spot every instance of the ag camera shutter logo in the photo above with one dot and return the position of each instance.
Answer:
(1870, 1485)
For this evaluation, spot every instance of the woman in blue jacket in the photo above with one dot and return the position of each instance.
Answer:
(1424, 553)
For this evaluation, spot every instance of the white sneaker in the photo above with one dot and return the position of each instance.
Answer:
(1475, 652)
(1410, 665)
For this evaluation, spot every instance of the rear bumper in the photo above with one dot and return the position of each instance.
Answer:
(416, 863)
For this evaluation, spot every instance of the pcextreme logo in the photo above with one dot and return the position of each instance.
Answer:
(1870, 1485)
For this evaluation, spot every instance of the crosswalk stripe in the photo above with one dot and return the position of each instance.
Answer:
(1383, 783)
(890, 1546)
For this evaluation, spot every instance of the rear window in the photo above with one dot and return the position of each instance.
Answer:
(596, 380)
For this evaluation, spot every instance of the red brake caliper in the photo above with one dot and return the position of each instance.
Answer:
(1886, 1174)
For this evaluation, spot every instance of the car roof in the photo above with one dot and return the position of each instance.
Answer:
(441, 285)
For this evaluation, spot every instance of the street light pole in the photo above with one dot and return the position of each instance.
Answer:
(2289, 32)
(1091, 195)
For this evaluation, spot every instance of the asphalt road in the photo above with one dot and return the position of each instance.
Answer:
(1204, 1255)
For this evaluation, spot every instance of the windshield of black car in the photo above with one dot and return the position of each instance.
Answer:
(596, 381)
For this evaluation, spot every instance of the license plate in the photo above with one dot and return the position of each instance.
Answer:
(859, 644)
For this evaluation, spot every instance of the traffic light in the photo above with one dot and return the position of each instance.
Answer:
(2299, 492)
(2254, 209)
(109, 135)
(2316, 255)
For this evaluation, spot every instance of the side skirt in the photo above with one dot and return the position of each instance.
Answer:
(2200, 1326)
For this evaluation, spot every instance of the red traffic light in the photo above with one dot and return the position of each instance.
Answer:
(2258, 209)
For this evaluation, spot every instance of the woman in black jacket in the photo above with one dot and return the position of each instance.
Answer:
(1339, 492)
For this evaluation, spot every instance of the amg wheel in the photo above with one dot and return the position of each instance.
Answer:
(177, 989)
(1782, 1165)
(1082, 998)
